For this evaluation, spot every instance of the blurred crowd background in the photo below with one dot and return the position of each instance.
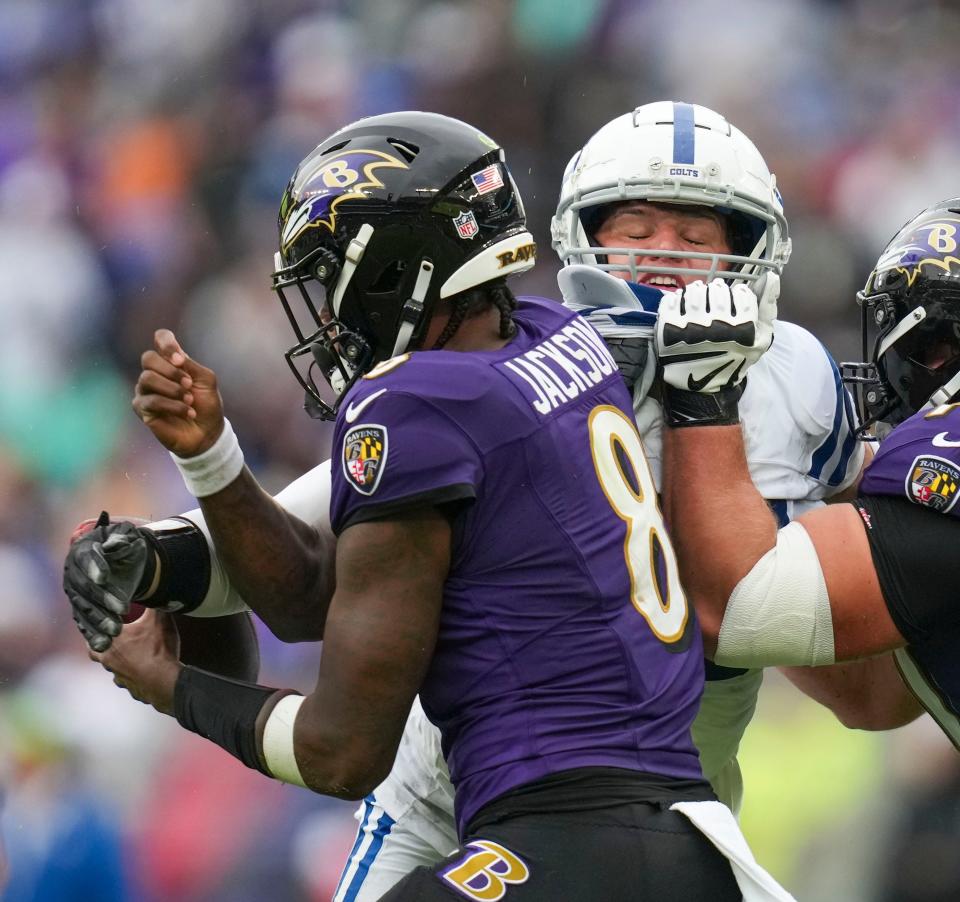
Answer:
(143, 151)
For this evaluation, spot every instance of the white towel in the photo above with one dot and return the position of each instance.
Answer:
(715, 821)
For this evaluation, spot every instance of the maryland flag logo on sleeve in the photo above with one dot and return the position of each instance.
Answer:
(933, 482)
(364, 457)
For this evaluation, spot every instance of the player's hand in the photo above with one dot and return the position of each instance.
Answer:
(707, 336)
(177, 398)
(101, 574)
(145, 660)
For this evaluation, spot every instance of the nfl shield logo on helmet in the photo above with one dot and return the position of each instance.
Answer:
(933, 482)
(466, 224)
(364, 457)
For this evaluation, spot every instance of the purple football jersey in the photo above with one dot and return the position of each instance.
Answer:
(564, 640)
(920, 459)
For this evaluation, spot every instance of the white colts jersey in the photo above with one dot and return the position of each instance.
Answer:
(798, 426)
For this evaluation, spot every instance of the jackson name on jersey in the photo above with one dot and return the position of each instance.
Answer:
(800, 452)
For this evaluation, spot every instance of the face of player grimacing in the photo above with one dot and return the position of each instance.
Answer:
(666, 227)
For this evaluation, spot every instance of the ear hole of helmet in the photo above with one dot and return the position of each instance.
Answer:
(388, 279)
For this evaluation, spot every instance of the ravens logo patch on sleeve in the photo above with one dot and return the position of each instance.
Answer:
(364, 457)
(933, 482)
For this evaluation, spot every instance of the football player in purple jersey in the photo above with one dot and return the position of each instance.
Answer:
(499, 546)
(849, 580)
(664, 246)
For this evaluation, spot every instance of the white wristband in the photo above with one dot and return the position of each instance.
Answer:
(278, 741)
(214, 469)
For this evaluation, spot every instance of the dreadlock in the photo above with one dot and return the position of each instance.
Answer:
(474, 301)
(461, 304)
(505, 301)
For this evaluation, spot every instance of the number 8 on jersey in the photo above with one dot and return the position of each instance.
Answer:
(654, 584)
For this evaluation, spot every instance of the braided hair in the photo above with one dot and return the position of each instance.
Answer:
(475, 301)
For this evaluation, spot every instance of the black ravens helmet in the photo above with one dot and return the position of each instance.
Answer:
(386, 218)
(911, 307)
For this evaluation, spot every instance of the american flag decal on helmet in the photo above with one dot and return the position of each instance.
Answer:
(487, 180)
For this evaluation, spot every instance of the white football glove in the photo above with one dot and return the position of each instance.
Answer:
(707, 336)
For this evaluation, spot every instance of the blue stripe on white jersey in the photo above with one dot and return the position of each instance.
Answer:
(850, 439)
(780, 510)
(371, 839)
(367, 811)
(684, 133)
(840, 444)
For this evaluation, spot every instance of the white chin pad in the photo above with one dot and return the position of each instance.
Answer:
(779, 613)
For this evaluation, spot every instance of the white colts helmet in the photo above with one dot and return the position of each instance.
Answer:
(676, 153)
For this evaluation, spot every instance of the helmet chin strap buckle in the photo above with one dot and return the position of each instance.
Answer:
(353, 256)
(912, 319)
(412, 310)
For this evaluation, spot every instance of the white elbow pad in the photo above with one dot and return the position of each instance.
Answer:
(307, 498)
(779, 613)
(221, 598)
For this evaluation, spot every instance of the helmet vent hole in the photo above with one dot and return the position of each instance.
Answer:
(335, 147)
(406, 150)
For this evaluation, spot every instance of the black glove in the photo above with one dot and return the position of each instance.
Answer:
(102, 574)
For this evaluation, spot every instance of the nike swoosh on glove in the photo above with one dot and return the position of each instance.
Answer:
(708, 336)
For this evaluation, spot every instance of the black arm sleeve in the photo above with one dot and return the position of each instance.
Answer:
(184, 561)
(916, 553)
(226, 646)
(224, 711)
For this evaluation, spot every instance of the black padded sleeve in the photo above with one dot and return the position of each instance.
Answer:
(916, 553)
(226, 646)
(184, 558)
(224, 711)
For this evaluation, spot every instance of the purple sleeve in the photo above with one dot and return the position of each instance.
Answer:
(920, 460)
(409, 454)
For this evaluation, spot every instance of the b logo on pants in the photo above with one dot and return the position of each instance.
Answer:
(484, 872)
